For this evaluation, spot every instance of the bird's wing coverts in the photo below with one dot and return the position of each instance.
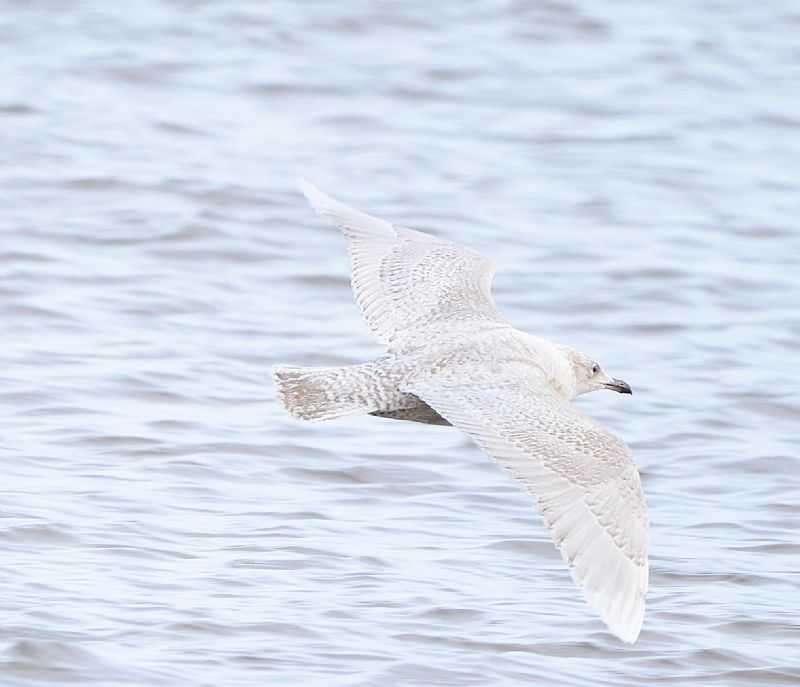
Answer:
(582, 478)
(406, 281)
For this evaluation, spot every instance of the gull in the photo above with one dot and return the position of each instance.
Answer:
(452, 359)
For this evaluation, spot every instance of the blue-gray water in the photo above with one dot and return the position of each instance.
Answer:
(632, 171)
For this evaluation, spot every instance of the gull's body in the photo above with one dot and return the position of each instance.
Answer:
(452, 359)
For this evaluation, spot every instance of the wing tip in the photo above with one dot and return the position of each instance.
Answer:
(348, 219)
(615, 588)
(315, 197)
(624, 616)
(628, 630)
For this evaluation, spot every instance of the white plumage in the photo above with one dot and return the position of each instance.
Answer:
(453, 359)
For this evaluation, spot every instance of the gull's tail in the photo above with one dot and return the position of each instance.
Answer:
(327, 393)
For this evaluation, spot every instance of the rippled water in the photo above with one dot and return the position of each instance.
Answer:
(633, 172)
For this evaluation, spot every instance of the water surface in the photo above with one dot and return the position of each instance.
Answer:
(632, 171)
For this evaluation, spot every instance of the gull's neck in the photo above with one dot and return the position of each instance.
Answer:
(556, 364)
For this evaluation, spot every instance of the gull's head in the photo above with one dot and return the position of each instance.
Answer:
(589, 376)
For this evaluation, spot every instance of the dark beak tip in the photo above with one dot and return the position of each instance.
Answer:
(621, 387)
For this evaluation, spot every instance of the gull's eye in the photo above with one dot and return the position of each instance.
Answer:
(595, 369)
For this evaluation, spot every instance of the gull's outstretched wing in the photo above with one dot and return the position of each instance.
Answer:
(583, 478)
(405, 280)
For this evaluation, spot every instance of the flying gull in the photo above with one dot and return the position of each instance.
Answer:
(453, 360)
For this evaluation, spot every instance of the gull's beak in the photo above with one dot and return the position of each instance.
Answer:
(619, 386)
